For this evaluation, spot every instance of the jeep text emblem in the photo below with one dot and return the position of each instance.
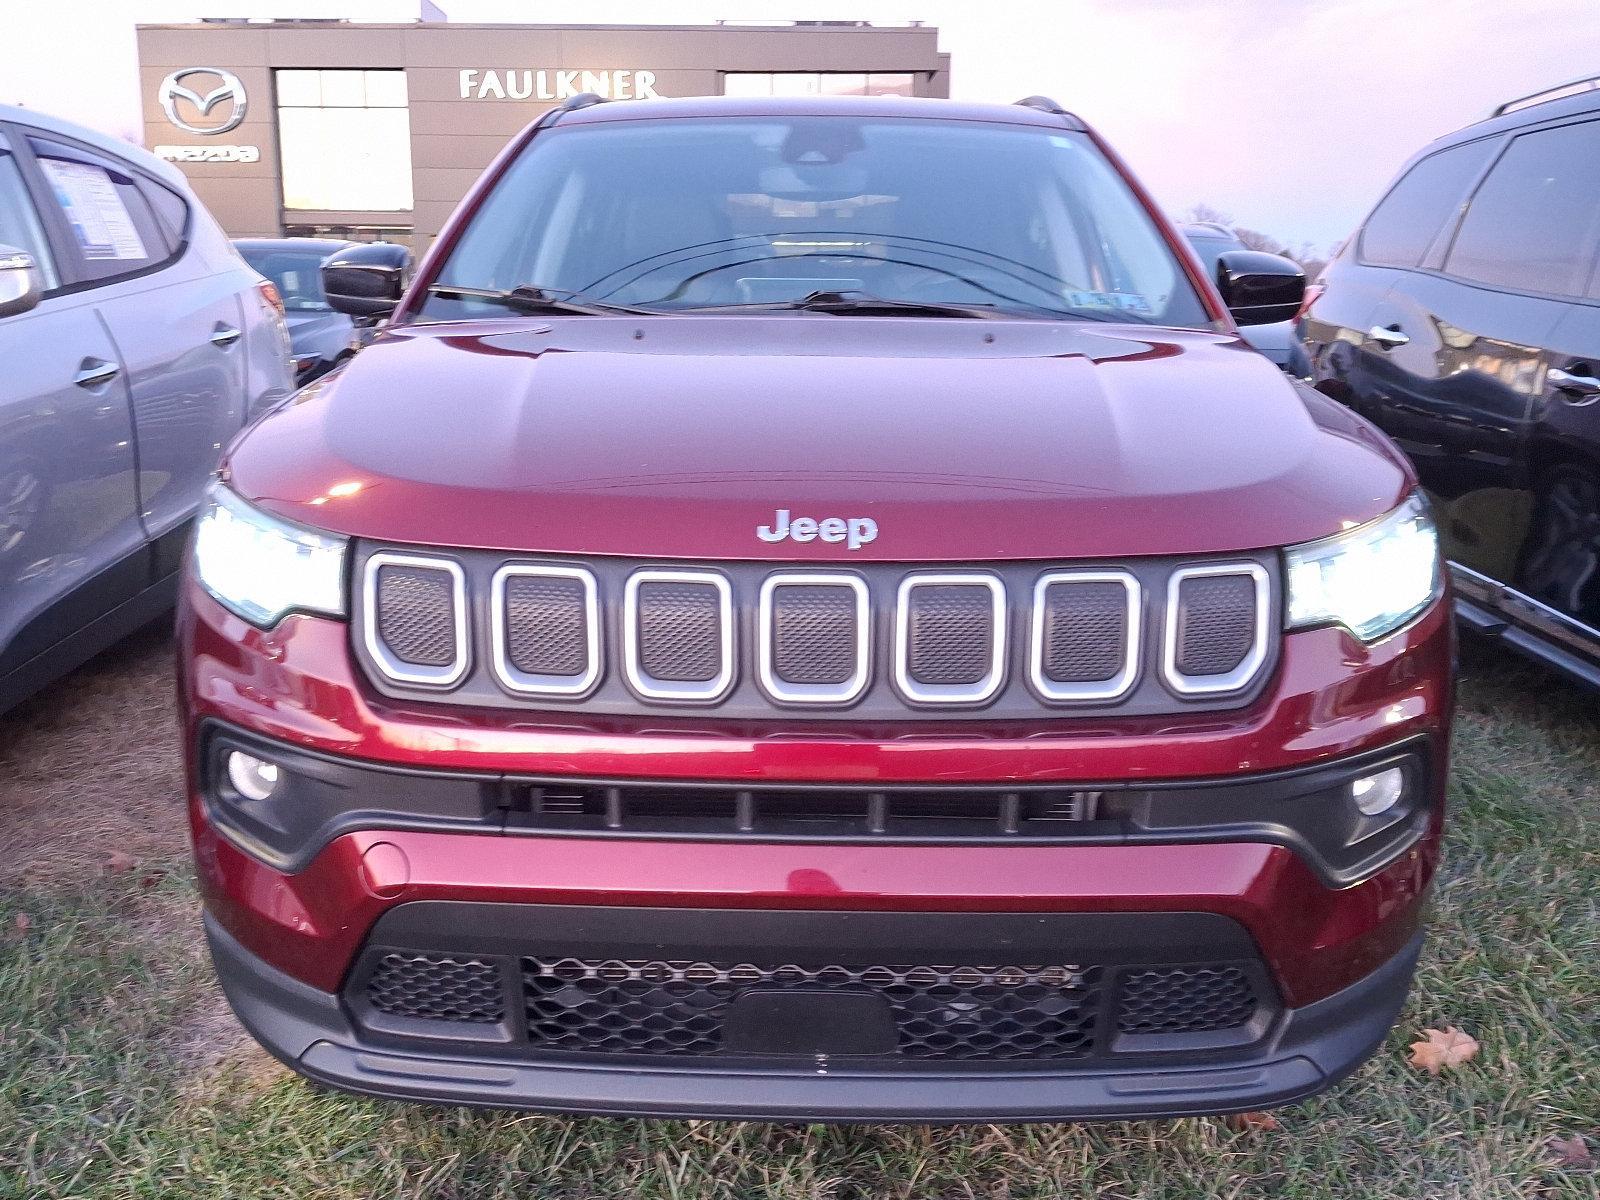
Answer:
(854, 532)
(230, 89)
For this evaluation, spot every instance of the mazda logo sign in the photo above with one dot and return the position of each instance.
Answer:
(229, 92)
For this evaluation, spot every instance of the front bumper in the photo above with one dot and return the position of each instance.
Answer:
(1308, 1049)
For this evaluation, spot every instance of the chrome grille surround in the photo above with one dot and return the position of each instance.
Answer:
(1109, 689)
(1240, 676)
(633, 650)
(786, 692)
(505, 669)
(442, 676)
(722, 654)
(950, 693)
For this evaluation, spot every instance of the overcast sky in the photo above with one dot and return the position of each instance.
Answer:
(1290, 115)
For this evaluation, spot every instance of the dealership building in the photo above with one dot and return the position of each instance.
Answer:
(366, 130)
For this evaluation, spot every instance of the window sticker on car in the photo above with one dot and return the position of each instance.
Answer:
(1126, 302)
(100, 220)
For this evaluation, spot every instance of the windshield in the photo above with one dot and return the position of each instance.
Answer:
(1209, 249)
(297, 274)
(709, 213)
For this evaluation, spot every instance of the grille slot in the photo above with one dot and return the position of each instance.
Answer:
(1188, 999)
(1085, 635)
(546, 629)
(417, 620)
(679, 631)
(950, 638)
(815, 633)
(678, 1008)
(1217, 619)
(435, 988)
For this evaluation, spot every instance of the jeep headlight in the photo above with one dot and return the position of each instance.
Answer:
(1371, 580)
(261, 567)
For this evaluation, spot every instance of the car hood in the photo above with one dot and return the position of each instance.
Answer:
(679, 436)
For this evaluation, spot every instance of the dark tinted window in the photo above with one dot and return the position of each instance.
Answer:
(170, 210)
(1533, 223)
(115, 229)
(1403, 226)
(766, 211)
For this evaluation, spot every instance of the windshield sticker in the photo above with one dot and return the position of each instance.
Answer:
(1126, 302)
(99, 218)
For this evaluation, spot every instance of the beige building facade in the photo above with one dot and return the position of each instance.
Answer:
(365, 130)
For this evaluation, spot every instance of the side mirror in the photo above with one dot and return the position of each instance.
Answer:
(366, 281)
(1260, 289)
(19, 281)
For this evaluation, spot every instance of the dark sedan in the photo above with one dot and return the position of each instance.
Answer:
(321, 338)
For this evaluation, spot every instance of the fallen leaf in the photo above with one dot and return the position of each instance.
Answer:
(153, 878)
(1572, 1151)
(1439, 1050)
(119, 862)
(1246, 1121)
(22, 922)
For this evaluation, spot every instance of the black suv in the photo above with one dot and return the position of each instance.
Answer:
(1464, 319)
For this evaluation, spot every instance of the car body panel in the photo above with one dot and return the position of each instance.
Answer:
(1055, 439)
(1510, 461)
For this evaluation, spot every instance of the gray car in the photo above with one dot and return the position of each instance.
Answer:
(1279, 341)
(321, 338)
(135, 343)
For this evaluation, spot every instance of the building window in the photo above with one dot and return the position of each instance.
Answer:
(816, 83)
(344, 138)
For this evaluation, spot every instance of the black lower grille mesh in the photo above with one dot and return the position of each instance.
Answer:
(813, 634)
(417, 614)
(680, 631)
(433, 988)
(1085, 631)
(950, 639)
(679, 1008)
(1216, 623)
(1185, 1000)
(547, 625)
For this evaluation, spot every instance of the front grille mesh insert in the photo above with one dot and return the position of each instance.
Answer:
(547, 625)
(679, 1008)
(1216, 623)
(680, 631)
(950, 634)
(1085, 631)
(813, 634)
(1186, 1000)
(433, 988)
(416, 615)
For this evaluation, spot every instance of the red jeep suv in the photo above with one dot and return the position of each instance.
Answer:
(810, 611)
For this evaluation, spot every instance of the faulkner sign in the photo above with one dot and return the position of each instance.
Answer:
(553, 84)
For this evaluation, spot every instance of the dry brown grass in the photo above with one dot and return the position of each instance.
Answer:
(89, 768)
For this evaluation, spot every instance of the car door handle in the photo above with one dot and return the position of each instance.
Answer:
(1584, 387)
(224, 335)
(94, 371)
(1388, 336)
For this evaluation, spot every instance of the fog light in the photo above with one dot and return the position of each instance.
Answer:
(1376, 794)
(251, 777)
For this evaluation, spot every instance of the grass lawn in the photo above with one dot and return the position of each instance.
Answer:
(122, 1074)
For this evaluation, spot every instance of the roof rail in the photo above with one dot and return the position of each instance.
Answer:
(1560, 92)
(581, 100)
(1043, 104)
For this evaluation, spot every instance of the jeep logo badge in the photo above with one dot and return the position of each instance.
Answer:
(229, 89)
(854, 532)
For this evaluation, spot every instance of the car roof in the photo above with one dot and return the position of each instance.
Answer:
(319, 245)
(1207, 229)
(925, 108)
(1526, 111)
(100, 141)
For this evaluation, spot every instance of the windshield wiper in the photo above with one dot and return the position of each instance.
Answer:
(858, 304)
(533, 300)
